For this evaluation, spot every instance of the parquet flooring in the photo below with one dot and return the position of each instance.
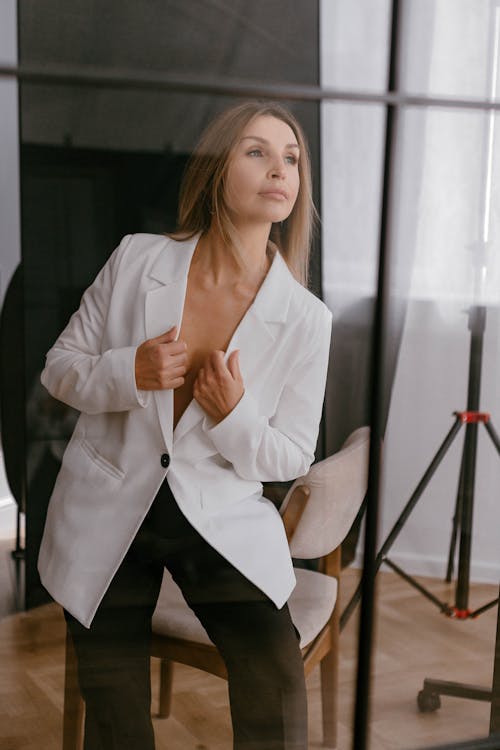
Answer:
(413, 641)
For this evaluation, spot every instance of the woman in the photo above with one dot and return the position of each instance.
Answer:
(198, 363)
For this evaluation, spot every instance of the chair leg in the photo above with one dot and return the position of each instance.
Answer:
(73, 703)
(329, 688)
(329, 701)
(166, 677)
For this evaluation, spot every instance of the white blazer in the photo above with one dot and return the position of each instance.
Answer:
(114, 463)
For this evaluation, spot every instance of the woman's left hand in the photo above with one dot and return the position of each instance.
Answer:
(219, 386)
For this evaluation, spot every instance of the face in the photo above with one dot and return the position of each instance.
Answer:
(262, 181)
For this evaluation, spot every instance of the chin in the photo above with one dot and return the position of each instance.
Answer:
(276, 216)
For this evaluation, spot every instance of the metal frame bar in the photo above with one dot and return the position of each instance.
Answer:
(486, 743)
(120, 78)
(367, 613)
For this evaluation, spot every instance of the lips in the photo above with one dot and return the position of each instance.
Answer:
(275, 193)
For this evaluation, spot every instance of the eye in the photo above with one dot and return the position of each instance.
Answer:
(291, 159)
(255, 152)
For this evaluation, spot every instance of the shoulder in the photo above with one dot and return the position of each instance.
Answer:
(307, 307)
(313, 323)
(302, 304)
(142, 245)
(308, 321)
(305, 299)
(143, 253)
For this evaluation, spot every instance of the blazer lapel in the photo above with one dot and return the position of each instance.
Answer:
(254, 336)
(261, 325)
(163, 309)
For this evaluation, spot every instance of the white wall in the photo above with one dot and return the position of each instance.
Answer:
(10, 247)
(439, 217)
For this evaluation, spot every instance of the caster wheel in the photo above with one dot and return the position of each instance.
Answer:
(428, 702)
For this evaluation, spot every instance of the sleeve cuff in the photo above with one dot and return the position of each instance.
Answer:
(127, 366)
(242, 417)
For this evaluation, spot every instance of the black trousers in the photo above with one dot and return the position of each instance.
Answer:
(257, 641)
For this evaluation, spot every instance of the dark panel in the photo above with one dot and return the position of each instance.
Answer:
(79, 204)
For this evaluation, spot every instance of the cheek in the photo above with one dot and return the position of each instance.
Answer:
(294, 187)
(236, 184)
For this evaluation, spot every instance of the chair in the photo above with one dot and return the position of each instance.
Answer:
(317, 511)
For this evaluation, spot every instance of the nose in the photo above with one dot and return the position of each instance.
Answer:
(277, 169)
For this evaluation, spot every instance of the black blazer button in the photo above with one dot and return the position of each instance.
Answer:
(165, 460)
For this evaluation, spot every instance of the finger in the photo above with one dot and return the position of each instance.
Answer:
(216, 359)
(177, 370)
(233, 364)
(165, 338)
(201, 378)
(175, 349)
(206, 367)
(177, 357)
(177, 382)
(164, 357)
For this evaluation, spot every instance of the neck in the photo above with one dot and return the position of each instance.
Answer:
(217, 264)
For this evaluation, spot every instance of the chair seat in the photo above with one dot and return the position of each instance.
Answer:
(311, 604)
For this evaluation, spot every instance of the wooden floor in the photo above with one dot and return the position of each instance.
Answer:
(413, 641)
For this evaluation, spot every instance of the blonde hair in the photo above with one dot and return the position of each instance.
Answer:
(202, 194)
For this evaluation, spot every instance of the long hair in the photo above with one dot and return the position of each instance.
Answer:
(202, 195)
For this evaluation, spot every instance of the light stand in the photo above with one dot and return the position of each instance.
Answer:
(465, 497)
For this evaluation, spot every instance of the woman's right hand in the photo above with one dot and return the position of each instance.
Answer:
(160, 363)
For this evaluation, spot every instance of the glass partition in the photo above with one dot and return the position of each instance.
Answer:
(442, 245)
(103, 160)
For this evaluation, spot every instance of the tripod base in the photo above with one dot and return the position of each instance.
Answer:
(447, 609)
(429, 700)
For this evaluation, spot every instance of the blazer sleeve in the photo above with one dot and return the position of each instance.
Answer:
(77, 371)
(282, 447)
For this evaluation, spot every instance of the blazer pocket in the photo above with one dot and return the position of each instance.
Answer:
(217, 500)
(217, 495)
(100, 461)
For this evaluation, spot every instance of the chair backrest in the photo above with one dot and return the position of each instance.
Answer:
(338, 485)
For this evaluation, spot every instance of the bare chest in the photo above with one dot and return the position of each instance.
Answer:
(209, 321)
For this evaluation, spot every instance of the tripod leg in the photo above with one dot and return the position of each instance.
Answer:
(456, 525)
(493, 435)
(441, 452)
(467, 503)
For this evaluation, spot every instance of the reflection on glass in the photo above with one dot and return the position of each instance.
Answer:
(436, 236)
(108, 162)
(445, 253)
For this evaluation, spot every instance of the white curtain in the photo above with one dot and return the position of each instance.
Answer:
(438, 241)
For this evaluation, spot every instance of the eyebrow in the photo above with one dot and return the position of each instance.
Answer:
(263, 140)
